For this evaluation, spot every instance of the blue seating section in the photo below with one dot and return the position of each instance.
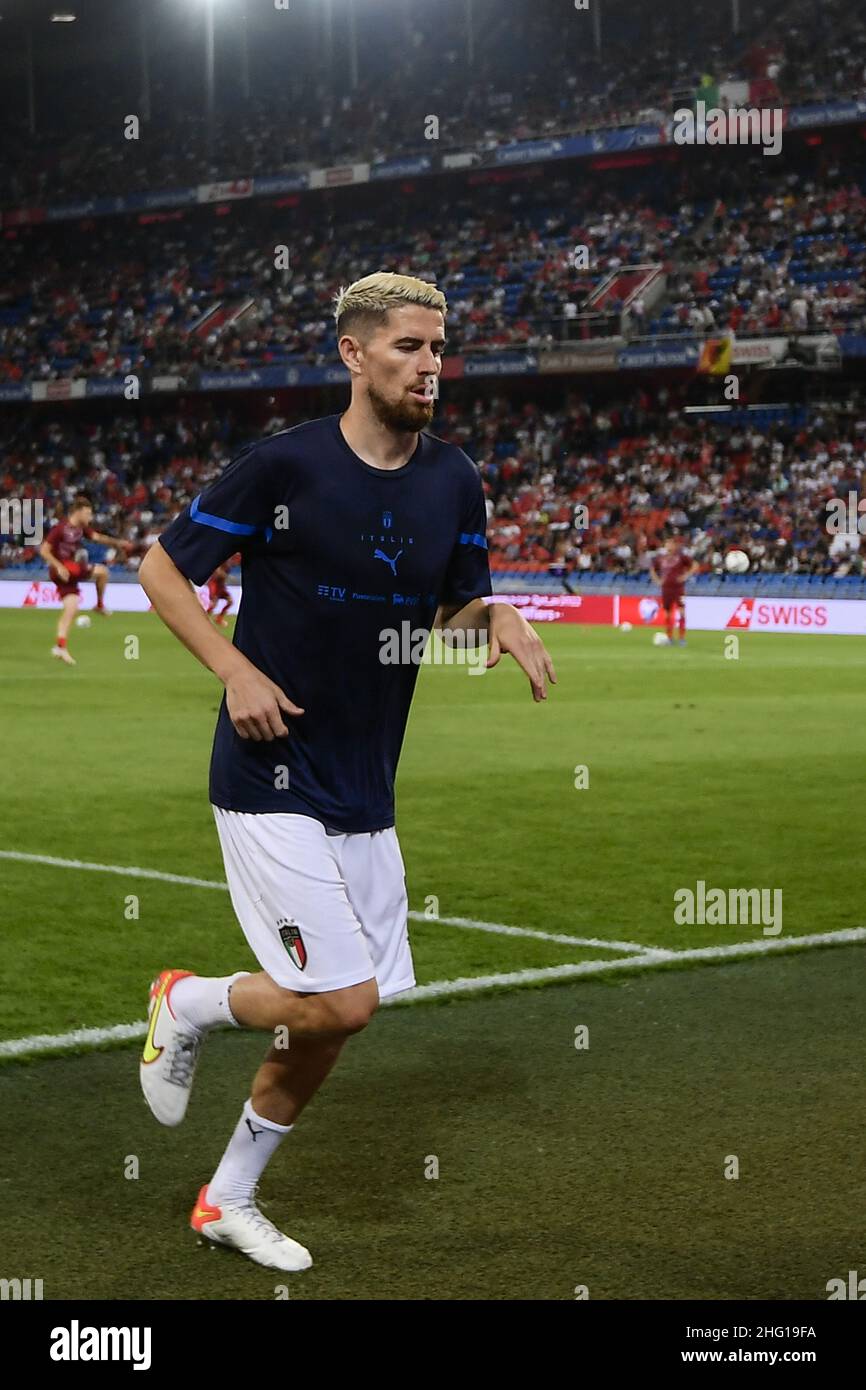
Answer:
(803, 586)
(806, 586)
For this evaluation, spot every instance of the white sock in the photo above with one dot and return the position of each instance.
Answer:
(203, 1002)
(250, 1148)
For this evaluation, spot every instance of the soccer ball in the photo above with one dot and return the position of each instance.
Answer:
(661, 639)
(736, 562)
(83, 621)
(625, 627)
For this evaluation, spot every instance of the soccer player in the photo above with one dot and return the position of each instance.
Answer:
(64, 552)
(671, 567)
(217, 587)
(347, 524)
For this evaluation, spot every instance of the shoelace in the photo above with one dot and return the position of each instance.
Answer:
(183, 1059)
(258, 1219)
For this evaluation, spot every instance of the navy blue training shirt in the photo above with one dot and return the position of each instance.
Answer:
(334, 552)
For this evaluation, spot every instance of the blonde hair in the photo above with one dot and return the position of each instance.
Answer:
(366, 302)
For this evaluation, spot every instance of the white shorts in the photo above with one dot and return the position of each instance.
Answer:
(320, 909)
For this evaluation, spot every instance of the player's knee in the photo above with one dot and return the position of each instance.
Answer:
(351, 1019)
(348, 1011)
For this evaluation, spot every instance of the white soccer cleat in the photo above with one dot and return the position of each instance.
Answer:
(62, 655)
(170, 1053)
(241, 1226)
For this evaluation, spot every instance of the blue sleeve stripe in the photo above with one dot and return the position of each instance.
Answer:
(466, 539)
(219, 523)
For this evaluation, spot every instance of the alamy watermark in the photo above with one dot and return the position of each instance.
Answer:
(720, 907)
(409, 646)
(23, 517)
(20, 1289)
(854, 1287)
(738, 125)
(846, 516)
(77, 1343)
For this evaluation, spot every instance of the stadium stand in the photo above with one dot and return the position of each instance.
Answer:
(109, 296)
(533, 77)
(638, 466)
(738, 245)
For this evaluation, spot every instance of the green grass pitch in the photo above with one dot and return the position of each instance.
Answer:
(558, 1168)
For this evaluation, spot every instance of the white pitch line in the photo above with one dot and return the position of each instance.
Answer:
(647, 960)
(439, 989)
(468, 923)
(125, 870)
(80, 1037)
(471, 925)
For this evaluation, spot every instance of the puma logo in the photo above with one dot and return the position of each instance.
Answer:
(254, 1132)
(380, 555)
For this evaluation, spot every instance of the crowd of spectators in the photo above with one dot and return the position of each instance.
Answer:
(745, 248)
(632, 473)
(535, 73)
(788, 259)
(748, 246)
(577, 488)
(115, 297)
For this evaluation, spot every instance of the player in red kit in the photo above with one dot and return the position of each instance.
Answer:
(671, 567)
(64, 552)
(217, 587)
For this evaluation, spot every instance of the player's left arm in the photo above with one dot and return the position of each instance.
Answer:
(510, 632)
(462, 605)
(101, 539)
(506, 630)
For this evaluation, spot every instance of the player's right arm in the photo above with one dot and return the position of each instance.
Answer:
(203, 537)
(51, 559)
(255, 703)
